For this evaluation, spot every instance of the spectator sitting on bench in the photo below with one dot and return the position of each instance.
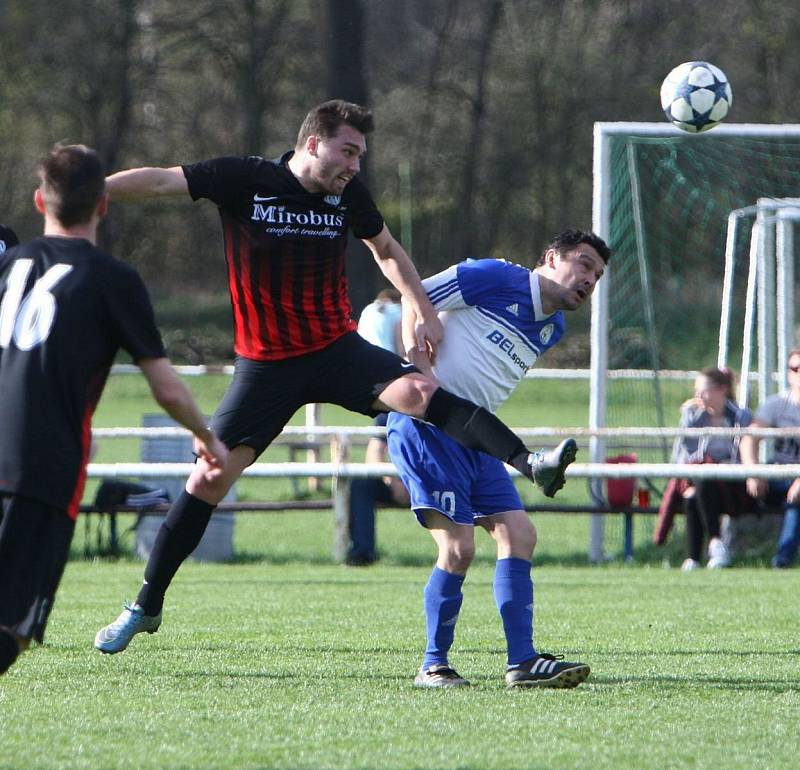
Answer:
(705, 500)
(365, 494)
(781, 410)
(379, 323)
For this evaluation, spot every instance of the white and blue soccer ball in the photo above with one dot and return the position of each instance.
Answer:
(696, 96)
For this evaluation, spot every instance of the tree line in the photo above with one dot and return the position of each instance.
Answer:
(484, 108)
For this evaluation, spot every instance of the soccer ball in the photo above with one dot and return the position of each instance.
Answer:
(696, 96)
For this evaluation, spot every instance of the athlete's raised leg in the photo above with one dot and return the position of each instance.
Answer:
(476, 428)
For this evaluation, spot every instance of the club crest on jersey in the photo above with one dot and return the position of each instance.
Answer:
(333, 200)
(546, 333)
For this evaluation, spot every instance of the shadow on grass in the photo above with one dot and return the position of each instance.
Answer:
(685, 653)
(734, 684)
(352, 579)
(282, 559)
(777, 686)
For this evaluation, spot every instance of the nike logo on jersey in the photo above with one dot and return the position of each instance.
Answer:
(259, 199)
(407, 366)
(513, 309)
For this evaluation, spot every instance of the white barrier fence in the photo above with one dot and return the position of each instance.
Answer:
(367, 470)
(340, 471)
(536, 373)
(343, 432)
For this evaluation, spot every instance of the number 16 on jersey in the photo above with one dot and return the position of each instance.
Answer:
(27, 318)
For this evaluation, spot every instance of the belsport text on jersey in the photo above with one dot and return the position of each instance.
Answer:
(507, 346)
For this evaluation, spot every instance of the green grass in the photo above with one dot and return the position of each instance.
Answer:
(302, 665)
(286, 660)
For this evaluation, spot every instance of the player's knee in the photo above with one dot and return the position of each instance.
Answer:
(211, 486)
(425, 389)
(209, 490)
(410, 394)
(523, 538)
(458, 555)
(533, 538)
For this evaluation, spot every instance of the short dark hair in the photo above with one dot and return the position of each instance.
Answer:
(569, 239)
(73, 180)
(326, 119)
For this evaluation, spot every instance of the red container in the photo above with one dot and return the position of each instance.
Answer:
(619, 492)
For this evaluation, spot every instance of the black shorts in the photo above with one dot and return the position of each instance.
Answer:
(264, 395)
(34, 546)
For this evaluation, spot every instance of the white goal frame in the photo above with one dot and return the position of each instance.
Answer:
(770, 293)
(601, 197)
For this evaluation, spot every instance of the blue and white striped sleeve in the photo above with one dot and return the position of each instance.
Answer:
(472, 282)
(443, 289)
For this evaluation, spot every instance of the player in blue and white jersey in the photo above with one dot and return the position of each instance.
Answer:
(499, 318)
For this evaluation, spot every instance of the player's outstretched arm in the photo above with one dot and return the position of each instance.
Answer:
(176, 400)
(148, 182)
(398, 268)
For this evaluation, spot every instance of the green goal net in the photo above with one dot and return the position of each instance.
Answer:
(663, 199)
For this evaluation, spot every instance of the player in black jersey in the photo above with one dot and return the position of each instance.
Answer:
(285, 224)
(66, 308)
(8, 238)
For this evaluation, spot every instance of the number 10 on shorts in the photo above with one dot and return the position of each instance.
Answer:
(446, 501)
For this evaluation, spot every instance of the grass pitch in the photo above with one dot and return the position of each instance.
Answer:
(288, 661)
(285, 660)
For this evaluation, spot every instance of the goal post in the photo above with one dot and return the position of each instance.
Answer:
(769, 302)
(664, 199)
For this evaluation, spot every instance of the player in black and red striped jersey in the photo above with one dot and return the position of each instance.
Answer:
(284, 247)
(66, 308)
(285, 225)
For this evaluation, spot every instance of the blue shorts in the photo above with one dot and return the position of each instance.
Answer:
(462, 484)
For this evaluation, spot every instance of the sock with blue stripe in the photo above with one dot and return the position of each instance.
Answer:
(442, 601)
(513, 594)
